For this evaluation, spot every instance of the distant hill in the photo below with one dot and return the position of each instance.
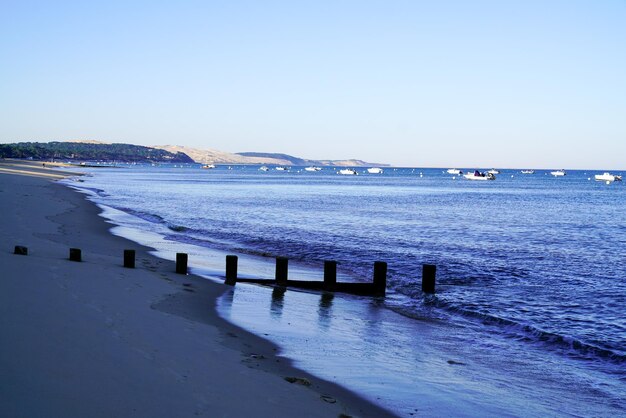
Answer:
(287, 159)
(351, 163)
(291, 160)
(96, 150)
(211, 156)
(206, 156)
(90, 150)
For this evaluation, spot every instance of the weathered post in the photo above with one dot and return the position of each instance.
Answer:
(281, 270)
(20, 250)
(75, 254)
(380, 277)
(129, 259)
(330, 274)
(181, 263)
(231, 269)
(428, 278)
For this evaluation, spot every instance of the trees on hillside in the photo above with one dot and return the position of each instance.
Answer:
(92, 152)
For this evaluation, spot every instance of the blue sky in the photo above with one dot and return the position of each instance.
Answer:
(416, 83)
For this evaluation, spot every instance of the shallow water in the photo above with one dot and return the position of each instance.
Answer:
(530, 269)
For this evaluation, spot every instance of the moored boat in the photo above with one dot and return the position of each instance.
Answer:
(347, 172)
(313, 168)
(280, 168)
(477, 175)
(264, 168)
(375, 170)
(558, 173)
(209, 166)
(528, 171)
(608, 177)
(493, 171)
(454, 171)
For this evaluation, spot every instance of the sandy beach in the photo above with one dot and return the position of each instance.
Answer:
(100, 340)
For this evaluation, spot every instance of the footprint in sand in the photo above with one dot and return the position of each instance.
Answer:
(298, 380)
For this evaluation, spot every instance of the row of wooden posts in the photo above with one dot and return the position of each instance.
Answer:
(377, 287)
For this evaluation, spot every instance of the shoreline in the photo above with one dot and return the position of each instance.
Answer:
(95, 338)
(429, 365)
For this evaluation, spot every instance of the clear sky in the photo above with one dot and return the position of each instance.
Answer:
(537, 84)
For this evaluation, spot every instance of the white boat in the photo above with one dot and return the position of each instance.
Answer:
(493, 171)
(312, 168)
(558, 173)
(608, 177)
(528, 171)
(209, 166)
(347, 172)
(264, 168)
(477, 175)
(454, 171)
(279, 168)
(375, 170)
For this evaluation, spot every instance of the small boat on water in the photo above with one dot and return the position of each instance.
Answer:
(528, 171)
(264, 168)
(209, 166)
(280, 168)
(347, 172)
(558, 173)
(312, 168)
(477, 175)
(608, 177)
(375, 170)
(493, 171)
(454, 171)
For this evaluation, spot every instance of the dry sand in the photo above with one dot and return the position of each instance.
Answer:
(94, 339)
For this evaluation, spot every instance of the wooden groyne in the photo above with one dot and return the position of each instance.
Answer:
(377, 287)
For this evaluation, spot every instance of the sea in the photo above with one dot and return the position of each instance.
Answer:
(529, 313)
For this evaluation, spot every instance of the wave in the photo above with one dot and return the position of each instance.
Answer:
(146, 216)
(570, 346)
(357, 263)
(89, 190)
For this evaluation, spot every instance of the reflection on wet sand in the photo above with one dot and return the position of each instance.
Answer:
(324, 310)
(278, 301)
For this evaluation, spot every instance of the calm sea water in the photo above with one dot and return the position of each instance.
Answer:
(530, 268)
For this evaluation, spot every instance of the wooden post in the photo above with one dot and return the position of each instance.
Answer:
(231, 269)
(129, 259)
(75, 254)
(428, 278)
(181, 263)
(282, 264)
(20, 250)
(380, 277)
(330, 274)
